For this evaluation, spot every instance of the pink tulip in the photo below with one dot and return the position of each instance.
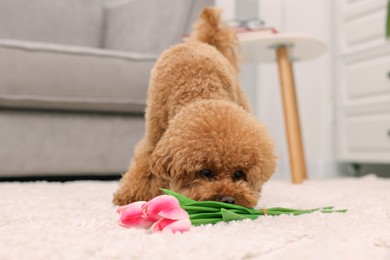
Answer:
(132, 215)
(180, 225)
(161, 213)
(163, 206)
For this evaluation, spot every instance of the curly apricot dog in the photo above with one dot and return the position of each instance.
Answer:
(200, 139)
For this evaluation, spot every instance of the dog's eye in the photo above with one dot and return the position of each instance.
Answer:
(238, 175)
(206, 173)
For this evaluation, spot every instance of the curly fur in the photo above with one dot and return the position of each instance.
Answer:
(198, 118)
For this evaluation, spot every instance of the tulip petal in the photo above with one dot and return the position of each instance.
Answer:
(132, 216)
(161, 224)
(181, 225)
(175, 213)
(135, 222)
(159, 203)
(134, 205)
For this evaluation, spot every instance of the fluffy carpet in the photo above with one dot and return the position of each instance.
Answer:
(76, 220)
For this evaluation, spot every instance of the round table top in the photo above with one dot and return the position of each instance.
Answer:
(263, 48)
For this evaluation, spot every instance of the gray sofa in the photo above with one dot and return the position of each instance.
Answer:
(74, 77)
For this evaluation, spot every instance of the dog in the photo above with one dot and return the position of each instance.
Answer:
(200, 140)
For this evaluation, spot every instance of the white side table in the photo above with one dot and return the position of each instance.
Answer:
(286, 48)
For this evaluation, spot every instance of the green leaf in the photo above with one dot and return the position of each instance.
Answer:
(198, 209)
(213, 215)
(182, 199)
(332, 211)
(292, 210)
(211, 212)
(286, 211)
(197, 222)
(228, 215)
(206, 206)
(388, 21)
(220, 205)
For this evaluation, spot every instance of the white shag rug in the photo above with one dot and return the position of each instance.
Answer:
(76, 220)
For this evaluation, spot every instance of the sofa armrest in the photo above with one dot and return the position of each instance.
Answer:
(61, 77)
(72, 22)
(147, 26)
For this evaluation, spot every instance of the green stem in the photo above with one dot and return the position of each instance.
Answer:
(197, 222)
(199, 209)
(388, 21)
(211, 212)
(205, 215)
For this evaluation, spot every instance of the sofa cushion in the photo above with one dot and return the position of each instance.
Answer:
(39, 75)
(35, 143)
(154, 24)
(76, 22)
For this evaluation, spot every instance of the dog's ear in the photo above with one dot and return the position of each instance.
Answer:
(264, 168)
(161, 159)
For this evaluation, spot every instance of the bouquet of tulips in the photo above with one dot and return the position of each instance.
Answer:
(176, 212)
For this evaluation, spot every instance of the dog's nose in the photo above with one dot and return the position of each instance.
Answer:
(228, 199)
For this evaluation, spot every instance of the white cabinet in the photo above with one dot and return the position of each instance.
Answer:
(362, 69)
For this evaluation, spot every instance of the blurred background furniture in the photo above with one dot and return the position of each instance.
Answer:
(286, 48)
(362, 59)
(74, 77)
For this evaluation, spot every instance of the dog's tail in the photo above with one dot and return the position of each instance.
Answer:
(212, 30)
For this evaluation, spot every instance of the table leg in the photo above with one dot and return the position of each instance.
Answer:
(291, 116)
